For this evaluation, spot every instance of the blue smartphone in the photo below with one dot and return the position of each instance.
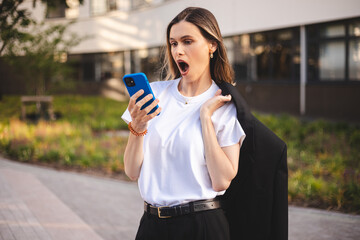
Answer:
(136, 81)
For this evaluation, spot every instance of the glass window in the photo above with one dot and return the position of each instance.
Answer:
(265, 56)
(274, 56)
(99, 7)
(332, 61)
(56, 10)
(238, 50)
(354, 60)
(110, 65)
(334, 55)
(88, 67)
(72, 11)
(261, 62)
(336, 30)
(148, 61)
(136, 4)
(354, 28)
(99, 67)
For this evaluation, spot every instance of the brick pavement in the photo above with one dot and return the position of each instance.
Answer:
(41, 203)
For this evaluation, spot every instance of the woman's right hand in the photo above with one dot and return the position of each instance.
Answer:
(140, 118)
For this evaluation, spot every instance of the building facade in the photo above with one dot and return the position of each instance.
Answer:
(298, 57)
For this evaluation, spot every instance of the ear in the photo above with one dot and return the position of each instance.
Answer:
(213, 46)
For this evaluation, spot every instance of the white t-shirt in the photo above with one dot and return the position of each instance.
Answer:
(174, 169)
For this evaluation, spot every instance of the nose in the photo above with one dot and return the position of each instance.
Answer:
(179, 50)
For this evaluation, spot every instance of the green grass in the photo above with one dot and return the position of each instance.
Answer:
(77, 139)
(323, 156)
(323, 161)
(96, 112)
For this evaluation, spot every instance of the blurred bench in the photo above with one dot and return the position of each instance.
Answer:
(43, 104)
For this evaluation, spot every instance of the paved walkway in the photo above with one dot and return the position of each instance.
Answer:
(46, 204)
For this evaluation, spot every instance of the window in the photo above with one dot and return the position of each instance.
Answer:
(99, 66)
(238, 49)
(56, 9)
(265, 56)
(62, 9)
(148, 61)
(138, 4)
(99, 7)
(334, 51)
(354, 60)
(354, 50)
(332, 60)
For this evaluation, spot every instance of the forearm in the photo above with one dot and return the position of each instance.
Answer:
(133, 156)
(221, 168)
(134, 153)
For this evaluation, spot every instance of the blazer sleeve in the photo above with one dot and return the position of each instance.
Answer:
(279, 228)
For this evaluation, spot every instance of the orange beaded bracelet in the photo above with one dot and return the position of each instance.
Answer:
(135, 132)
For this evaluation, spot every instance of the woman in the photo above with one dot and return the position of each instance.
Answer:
(186, 156)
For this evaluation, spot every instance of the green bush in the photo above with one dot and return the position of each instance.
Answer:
(98, 113)
(21, 149)
(323, 161)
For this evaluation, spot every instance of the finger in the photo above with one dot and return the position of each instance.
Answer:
(137, 94)
(227, 98)
(134, 97)
(144, 100)
(154, 114)
(151, 106)
(224, 99)
(221, 100)
(218, 92)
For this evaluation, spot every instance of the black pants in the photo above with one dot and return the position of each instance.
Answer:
(205, 225)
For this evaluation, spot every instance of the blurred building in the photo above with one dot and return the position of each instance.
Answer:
(299, 57)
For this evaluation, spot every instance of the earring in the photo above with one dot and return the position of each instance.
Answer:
(211, 55)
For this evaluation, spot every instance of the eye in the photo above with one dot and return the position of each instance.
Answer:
(187, 42)
(173, 44)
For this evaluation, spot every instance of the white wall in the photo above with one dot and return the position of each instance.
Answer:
(145, 28)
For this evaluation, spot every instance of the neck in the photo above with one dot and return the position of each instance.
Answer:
(190, 88)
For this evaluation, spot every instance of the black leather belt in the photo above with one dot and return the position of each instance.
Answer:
(182, 209)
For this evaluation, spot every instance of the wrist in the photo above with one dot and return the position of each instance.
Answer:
(136, 131)
(138, 127)
(205, 119)
(204, 115)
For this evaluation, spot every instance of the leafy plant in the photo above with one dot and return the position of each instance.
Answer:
(40, 55)
(14, 19)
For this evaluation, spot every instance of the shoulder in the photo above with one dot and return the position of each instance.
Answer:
(161, 85)
(226, 112)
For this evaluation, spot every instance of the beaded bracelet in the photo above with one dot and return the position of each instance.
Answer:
(135, 132)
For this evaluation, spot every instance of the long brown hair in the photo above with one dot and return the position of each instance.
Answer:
(220, 67)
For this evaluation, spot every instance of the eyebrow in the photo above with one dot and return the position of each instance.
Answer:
(183, 37)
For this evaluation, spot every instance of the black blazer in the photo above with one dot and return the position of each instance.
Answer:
(256, 203)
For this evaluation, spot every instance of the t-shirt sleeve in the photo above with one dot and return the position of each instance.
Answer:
(126, 116)
(227, 127)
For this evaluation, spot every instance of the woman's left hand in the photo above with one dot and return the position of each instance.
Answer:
(209, 107)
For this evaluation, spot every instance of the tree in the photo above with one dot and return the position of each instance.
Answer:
(14, 19)
(41, 54)
(14, 23)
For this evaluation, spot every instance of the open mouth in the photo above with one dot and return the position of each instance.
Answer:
(183, 67)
